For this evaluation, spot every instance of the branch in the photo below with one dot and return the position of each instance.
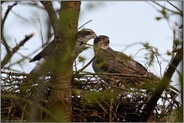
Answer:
(162, 86)
(52, 14)
(88, 63)
(114, 74)
(15, 49)
(175, 7)
(2, 26)
(181, 14)
(84, 24)
(13, 73)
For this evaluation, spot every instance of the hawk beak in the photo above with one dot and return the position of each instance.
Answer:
(94, 35)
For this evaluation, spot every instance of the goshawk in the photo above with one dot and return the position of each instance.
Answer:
(111, 61)
(83, 36)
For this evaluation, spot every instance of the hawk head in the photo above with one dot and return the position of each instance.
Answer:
(84, 35)
(102, 42)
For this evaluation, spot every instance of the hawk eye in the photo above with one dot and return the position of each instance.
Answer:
(103, 38)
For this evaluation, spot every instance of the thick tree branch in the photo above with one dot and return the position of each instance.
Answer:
(15, 49)
(52, 14)
(162, 86)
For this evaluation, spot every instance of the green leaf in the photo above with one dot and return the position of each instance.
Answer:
(169, 53)
(158, 18)
(81, 59)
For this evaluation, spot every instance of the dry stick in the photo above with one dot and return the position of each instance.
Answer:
(175, 6)
(159, 63)
(15, 49)
(84, 24)
(162, 86)
(13, 73)
(130, 45)
(2, 26)
(88, 63)
(86, 43)
(115, 74)
(25, 57)
(41, 33)
(83, 74)
(181, 14)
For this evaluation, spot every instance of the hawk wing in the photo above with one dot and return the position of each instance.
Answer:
(47, 51)
(111, 61)
(83, 37)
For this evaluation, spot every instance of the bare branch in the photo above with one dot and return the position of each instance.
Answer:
(115, 74)
(175, 6)
(52, 14)
(84, 24)
(179, 13)
(162, 86)
(15, 49)
(88, 63)
(2, 26)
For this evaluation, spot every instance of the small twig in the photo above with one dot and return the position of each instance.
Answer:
(175, 6)
(2, 26)
(84, 24)
(139, 51)
(88, 63)
(159, 63)
(15, 49)
(41, 32)
(13, 73)
(19, 16)
(129, 45)
(27, 37)
(84, 74)
(114, 74)
(181, 14)
(174, 45)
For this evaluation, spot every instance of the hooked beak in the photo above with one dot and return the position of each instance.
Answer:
(94, 34)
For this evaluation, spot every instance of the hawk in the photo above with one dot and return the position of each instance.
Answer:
(83, 36)
(110, 61)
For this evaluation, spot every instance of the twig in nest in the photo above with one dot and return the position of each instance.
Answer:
(116, 74)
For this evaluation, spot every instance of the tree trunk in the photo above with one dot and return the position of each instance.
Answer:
(59, 102)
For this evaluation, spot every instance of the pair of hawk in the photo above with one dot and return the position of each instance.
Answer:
(106, 61)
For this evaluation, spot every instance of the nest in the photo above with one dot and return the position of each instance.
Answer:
(93, 99)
